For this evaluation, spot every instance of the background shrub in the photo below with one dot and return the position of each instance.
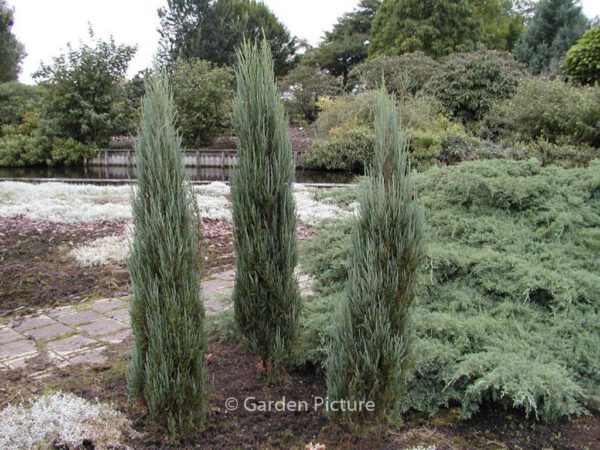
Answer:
(349, 148)
(345, 128)
(403, 75)
(548, 109)
(203, 96)
(24, 144)
(69, 152)
(303, 86)
(469, 83)
(16, 100)
(582, 62)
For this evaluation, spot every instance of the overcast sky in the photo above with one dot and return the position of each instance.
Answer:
(46, 26)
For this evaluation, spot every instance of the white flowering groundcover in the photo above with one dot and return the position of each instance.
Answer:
(63, 420)
(84, 203)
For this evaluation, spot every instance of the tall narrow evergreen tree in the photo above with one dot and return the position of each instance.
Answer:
(266, 295)
(167, 371)
(371, 340)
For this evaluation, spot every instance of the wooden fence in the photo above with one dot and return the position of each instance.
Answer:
(191, 158)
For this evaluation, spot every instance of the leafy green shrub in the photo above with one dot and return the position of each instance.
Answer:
(582, 62)
(507, 306)
(356, 110)
(302, 88)
(203, 96)
(469, 83)
(405, 74)
(16, 100)
(18, 150)
(24, 144)
(563, 155)
(548, 109)
(346, 149)
(345, 127)
(69, 152)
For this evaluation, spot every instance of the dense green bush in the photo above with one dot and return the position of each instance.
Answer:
(582, 62)
(563, 155)
(469, 83)
(203, 96)
(303, 86)
(345, 130)
(16, 100)
(548, 109)
(18, 150)
(349, 148)
(69, 152)
(24, 144)
(508, 305)
(403, 75)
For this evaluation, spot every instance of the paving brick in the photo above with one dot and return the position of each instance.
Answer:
(33, 322)
(227, 276)
(216, 285)
(94, 356)
(101, 327)
(60, 310)
(48, 332)
(80, 317)
(7, 334)
(71, 344)
(121, 315)
(107, 304)
(116, 338)
(17, 349)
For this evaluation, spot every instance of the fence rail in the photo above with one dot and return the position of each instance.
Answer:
(205, 157)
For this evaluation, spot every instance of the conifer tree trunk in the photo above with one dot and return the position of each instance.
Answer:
(167, 371)
(266, 295)
(371, 340)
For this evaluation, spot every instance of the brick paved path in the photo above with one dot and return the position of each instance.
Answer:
(80, 333)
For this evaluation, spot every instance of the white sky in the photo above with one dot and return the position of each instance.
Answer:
(46, 26)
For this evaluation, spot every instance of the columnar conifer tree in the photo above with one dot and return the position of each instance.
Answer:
(266, 295)
(371, 340)
(167, 371)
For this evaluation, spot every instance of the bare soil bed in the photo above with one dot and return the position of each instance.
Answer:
(234, 372)
(37, 271)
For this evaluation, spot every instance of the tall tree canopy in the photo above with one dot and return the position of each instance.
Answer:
(12, 51)
(348, 43)
(211, 30)
(440, 27)
(555, 26)
(86, 96)
(501, 22)
(436, 27)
